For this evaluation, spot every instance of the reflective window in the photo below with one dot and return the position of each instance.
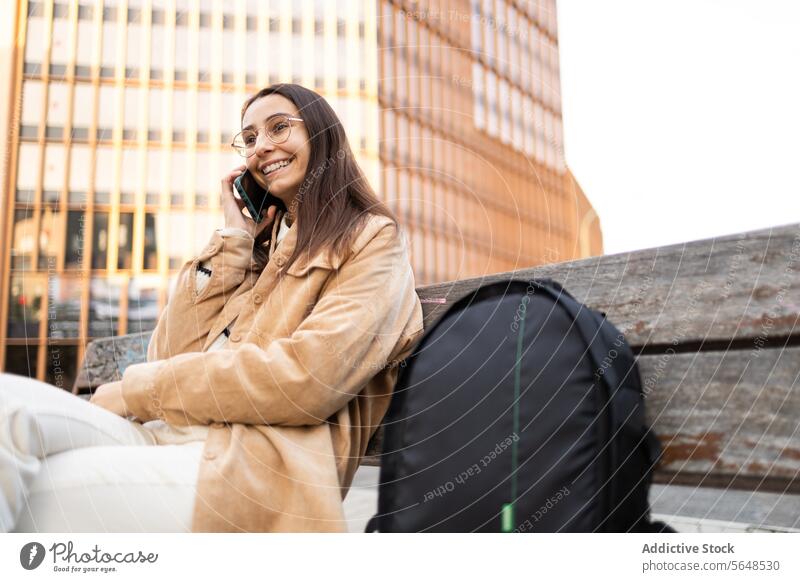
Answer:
(85, 42)
(104, 170)
(108, 56)
(130, 171)
(150, 242)
(62, 42)
(22, 360)
(80, 167)
(76, 235)
(155, 168)
(206, 55)
(61, 366)
(64, 308)
(125, 241)
(23, 243)
(34, 40)
(100, 240)
(143, 294)
(133, 55)
(32, 101)
(57, 104)
(104, 304)
(27, 166)
(178, 244)
(26, 302)
(131, 111)
(106, 108)
(50, 238)
(181, 51)
(54, 166)
(82, 111)
(177, 169)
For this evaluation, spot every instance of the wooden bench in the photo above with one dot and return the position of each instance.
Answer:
(714, 324)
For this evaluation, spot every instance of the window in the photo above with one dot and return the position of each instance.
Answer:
(125, 241)
(76, 235)
(64, 307)
(34, 41)
(57, 104)
(61, 366)
(22, 245)
(104, 304)
(80, 165)
(32, 100)
(104, 169)
(131, 112)
(143, 303)
(158, 46)
(22, 360)
(106, 108)
(54, 166)
(25, 305)
(82, 110)
(150, 242)
(100, 240)
(108, 57)
(130, 174)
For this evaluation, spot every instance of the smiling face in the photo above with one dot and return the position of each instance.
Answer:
(282, 180)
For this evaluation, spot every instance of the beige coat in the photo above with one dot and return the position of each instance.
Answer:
(301, 386)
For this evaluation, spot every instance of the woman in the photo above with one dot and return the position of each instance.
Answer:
(275, 357)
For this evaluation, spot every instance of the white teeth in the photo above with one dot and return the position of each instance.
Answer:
(276, 165)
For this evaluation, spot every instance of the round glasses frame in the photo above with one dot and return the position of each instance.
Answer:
(242, 148)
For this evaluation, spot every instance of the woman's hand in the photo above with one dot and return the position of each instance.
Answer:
(109, 396)
(232, 207)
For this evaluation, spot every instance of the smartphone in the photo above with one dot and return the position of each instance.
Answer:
(256, 199)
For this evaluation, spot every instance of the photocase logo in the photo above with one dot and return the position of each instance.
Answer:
(31, 555)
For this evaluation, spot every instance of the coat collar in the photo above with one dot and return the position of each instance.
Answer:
(286, 247)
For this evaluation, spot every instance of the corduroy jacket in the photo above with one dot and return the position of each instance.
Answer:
(300, 387)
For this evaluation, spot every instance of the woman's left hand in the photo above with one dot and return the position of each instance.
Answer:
(109, 396)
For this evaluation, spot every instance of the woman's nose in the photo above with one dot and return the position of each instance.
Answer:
(263, 143)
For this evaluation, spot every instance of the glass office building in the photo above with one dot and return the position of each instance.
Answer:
(119, 115)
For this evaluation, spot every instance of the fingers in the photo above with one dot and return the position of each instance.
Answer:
(227, 181)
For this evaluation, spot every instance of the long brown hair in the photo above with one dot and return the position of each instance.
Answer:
(335, 198)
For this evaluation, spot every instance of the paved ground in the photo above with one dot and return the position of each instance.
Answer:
(685, 508)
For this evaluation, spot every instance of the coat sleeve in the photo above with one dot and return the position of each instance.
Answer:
(359, 322)
(195, 303)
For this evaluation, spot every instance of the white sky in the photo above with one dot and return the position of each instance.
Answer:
(682, 117)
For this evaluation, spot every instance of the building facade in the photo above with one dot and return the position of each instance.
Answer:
(119, 115)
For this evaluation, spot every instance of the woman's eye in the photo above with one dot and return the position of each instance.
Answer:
(279, 127)
(249, 139)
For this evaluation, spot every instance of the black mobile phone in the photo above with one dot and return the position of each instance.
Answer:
(256, 199)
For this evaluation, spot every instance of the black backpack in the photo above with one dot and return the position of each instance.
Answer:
(520, 410)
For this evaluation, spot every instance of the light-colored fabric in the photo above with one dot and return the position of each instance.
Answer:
(114, 489)
(37, 421)
(284, 228)
(302, 385)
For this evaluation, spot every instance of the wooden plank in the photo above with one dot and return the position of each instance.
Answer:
(727, 418)
(736, 288)
(724, 419)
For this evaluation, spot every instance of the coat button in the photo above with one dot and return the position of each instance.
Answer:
(210, 455)
(257, 299)
(279, 261)
(236, 337)
(217, 424)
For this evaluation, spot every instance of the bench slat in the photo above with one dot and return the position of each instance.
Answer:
(735, 287)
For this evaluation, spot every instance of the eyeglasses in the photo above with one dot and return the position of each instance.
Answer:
(278, 129)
